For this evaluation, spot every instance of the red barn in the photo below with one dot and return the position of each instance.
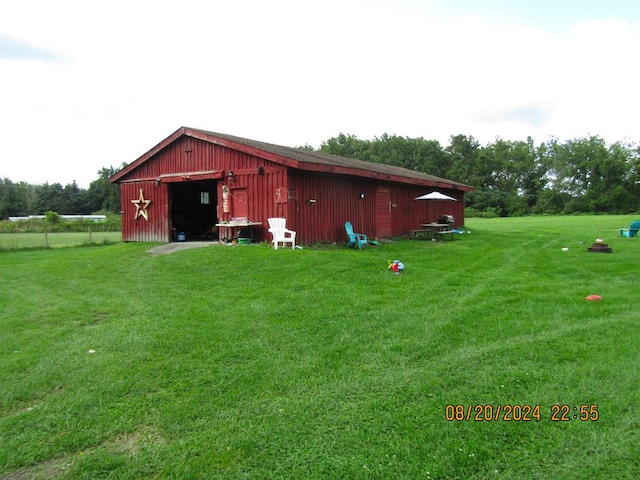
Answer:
(195, 179)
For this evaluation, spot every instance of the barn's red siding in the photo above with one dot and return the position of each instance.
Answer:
(340, 198)
(267, 189)
(315, 204)
(156, 229)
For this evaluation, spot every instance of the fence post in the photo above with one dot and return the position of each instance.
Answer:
(46, 237)
(90, 236)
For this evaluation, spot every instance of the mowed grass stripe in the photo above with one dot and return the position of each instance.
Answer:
(246, 362)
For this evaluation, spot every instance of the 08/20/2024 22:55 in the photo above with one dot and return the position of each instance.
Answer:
(520, 413)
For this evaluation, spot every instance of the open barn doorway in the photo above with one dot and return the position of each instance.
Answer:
(193, 208)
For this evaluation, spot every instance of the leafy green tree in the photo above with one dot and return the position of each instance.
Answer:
(75, 200)
(345, 145)
(9, 206)
(519, 174)
(590, 175)
(52, 217)
(104, 195)
(465, 163)
(306, 147)
(433, 158)
(474, 165)
(17, 199)
(49, 197)
(609, 191)
(630, 154)
(394, 150)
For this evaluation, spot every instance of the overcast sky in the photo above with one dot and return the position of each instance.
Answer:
(92, 84)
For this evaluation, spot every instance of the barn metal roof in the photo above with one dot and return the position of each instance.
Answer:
(300, 159)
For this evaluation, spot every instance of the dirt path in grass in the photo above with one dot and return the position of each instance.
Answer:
(178, 246)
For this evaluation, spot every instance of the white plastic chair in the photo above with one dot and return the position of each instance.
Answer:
(280, 233)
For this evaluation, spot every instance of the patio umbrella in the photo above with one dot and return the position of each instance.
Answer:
(435, 196)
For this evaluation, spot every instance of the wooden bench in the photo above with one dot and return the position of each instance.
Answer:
(426, 234)
(444, 233)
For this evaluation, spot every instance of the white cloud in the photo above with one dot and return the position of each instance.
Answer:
(296, 73)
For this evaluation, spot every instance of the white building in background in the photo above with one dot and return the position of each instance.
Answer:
(93, 218)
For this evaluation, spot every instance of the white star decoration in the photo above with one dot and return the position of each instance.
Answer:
(141, 207)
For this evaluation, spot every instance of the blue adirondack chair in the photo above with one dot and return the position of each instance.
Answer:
(355, 238)
(632, 231)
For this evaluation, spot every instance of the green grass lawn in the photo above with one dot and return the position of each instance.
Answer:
(14, 241)
(245, 362)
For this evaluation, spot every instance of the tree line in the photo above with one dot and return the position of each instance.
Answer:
(514, 178)
(511, 178)
(22, 199)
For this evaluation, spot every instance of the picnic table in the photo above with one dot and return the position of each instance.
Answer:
(431, 231)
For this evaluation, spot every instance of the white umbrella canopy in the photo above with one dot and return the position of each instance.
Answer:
(435, 196)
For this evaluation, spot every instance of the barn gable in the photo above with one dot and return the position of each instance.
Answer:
(195, 179)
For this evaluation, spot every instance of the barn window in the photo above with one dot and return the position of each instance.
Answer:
(204, 198)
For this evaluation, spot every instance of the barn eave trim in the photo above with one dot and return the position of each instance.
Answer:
(190, 176)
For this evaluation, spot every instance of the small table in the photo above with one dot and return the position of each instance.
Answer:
(229, 229)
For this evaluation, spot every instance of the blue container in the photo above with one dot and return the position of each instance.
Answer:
(181, 237)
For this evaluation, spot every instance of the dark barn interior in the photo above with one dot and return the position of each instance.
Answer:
(193, 207)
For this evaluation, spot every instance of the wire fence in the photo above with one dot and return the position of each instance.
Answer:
(46, 239)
